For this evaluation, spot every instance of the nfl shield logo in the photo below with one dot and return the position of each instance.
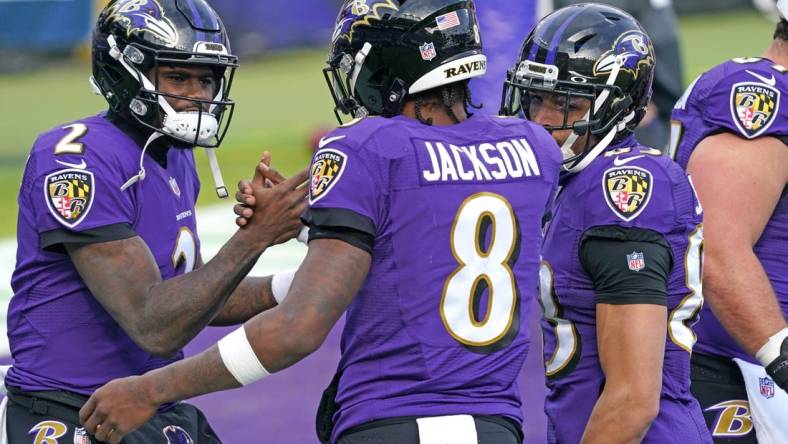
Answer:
(428, 51)
(81, 436)
(767, 387)
(175, 188)
(636, 261)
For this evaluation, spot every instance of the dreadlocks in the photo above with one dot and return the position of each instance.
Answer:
(781, 32)
(446, 96)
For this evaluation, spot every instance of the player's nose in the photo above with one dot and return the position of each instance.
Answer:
(195, 90)
(547, 116)
(199, 90)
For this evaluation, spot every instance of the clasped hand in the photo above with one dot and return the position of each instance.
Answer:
(271, 204)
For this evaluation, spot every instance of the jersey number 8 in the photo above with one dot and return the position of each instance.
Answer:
(482, 265)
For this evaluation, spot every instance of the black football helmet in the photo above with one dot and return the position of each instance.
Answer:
(133, 37)
(590, 51)
(383, 50)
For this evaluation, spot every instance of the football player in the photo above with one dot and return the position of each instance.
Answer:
(425, 229)
(730, 132)
(620, 276)
(109, 281)
(659, 20)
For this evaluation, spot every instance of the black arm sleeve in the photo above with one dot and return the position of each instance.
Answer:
(605, 255)
(338, 223)
(53, 240)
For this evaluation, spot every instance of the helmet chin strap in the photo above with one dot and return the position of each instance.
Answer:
(218, 181)
(605, 141)
(591, 155)
(182, 126)
(141, 175)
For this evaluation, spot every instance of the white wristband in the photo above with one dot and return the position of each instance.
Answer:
(240, 359)
(303, 235)
(771, 350)
(280, 284)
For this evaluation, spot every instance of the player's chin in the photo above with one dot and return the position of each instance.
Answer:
(560, 136)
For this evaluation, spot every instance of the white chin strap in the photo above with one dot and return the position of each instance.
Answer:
(566, 148)
(218, 181)
(141, 175)
(189, 126)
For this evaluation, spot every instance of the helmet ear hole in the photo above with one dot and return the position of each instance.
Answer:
(113, 74)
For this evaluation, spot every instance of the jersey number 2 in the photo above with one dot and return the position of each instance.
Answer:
(482, 265)
(68, 144)
(185, 250)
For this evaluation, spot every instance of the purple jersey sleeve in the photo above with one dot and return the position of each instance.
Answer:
(77, 187)
(745, 102)
(346, 176)
(741, 96)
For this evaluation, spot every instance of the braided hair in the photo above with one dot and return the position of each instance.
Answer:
(781, 32)
(446, 96)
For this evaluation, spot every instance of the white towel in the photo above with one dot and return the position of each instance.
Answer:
(768, 404)
(3, 432)
(3, 371)
(454, 429)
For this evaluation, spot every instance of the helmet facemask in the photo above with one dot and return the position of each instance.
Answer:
(341, 75)
(534, 82)
(150, 106)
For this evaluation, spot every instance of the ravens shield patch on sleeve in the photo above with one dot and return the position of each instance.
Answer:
(69, 195)
(754, 107)
(627, 190)
(327, 168)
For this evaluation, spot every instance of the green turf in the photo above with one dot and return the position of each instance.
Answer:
(281, 99)
(707, 40)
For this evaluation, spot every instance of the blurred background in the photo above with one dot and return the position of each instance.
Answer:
(283, 105)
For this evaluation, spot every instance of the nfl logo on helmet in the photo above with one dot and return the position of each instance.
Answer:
(428, 51)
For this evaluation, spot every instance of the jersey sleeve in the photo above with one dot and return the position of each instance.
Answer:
(626, 265)
(346, 194)
(745, 102)
(76, 197)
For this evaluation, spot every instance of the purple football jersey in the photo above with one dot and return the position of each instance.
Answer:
(60, 335)
(628, 185)
(743, 97)
(438, 327)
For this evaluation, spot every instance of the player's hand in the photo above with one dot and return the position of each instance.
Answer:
(118, 408)
(778, 369)
(277, 209)
(245, 196)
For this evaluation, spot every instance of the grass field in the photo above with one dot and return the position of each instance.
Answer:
(280, 100)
